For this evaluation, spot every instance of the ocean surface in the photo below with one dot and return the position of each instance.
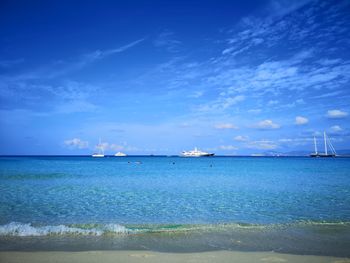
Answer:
(288, 204)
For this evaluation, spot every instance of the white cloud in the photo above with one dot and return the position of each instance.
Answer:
(228, 147)
(336, 114)
(241, 138)
(299, 120)
(222, 126)
(76, 143)
(336, 128)
(266, 125)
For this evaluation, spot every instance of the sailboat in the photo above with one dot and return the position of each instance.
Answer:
(327, 143)
(100, 151)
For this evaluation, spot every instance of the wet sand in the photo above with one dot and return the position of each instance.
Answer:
(149, 256)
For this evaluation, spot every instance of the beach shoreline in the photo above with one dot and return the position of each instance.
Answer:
(150, 256)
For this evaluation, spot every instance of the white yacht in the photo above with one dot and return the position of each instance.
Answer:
(120, 154)
(195, 153)
(100, 152)
(327, 143)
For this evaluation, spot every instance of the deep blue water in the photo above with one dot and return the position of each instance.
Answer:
(173, 190)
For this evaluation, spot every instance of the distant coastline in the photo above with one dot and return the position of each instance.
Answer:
(160, 155)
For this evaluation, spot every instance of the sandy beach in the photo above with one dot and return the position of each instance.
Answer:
(148, 256)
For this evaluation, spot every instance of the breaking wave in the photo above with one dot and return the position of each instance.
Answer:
(28, 229)
(21, 229)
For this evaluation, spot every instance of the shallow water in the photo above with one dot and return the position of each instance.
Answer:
(180, 197)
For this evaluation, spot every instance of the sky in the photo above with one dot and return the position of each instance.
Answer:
(160, 77)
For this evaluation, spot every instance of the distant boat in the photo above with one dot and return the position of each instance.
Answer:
(195, 153)
(120, 154)
(100, 152)
(327, 143)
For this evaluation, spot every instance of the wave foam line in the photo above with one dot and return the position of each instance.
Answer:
(20, 229)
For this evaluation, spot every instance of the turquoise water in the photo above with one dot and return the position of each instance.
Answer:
(43, 196)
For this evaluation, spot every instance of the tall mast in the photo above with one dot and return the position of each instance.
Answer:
(329, 143)
(315, 144)
(100, 146)
(325, 143)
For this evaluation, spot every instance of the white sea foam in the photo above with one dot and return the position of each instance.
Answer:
(21, 229)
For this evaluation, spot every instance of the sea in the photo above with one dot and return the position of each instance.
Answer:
(297, 205)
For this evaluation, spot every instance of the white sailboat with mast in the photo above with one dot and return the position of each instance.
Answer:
(327, 143)
(100, 152)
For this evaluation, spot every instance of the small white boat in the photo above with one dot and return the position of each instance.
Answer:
(196, 153)
(120, 154)
(327, 143)
(100, 153)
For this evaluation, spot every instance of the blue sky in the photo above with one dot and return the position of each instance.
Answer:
(159, 77)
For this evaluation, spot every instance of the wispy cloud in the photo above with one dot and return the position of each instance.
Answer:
(114, 147)
(100, 54)
(225, 126)
(302, 70)
(10, 62)
(329, 94)
(221, 104)
(228, 147)
(336, 129)
(299, 120)
(262, 145)
(76, 143)
(266, 125)
(280, 8)
(62, 67)
(196, 94)
(36, 86)
(67, 97)
(74, 107)
(255, 111)
(241, 138)
(336, 114)
(167, 40)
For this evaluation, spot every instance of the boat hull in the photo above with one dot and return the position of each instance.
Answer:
(98, 156)
(322, 155)
(201, 155)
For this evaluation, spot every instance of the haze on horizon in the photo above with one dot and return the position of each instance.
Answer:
(160, 77)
